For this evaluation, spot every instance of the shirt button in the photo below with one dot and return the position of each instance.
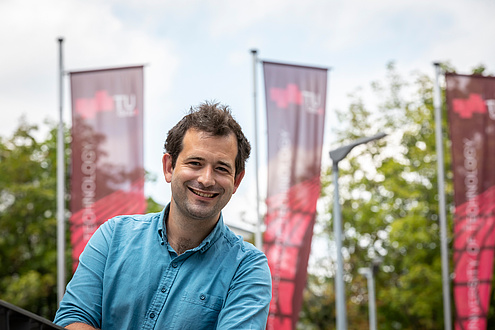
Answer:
(152, 315)
(202, 297)
(164, 289)
(174, 265)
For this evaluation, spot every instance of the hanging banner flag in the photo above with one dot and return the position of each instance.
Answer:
(295, 105)
(107, 176)
(471, 107)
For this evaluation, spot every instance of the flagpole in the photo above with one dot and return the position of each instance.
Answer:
(60, 185)
(257, 235)
(441, 199)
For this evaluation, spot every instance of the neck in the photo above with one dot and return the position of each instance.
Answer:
(186, 234)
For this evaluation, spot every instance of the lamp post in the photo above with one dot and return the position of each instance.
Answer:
(369, 273)
(60, 184)
(337, 155)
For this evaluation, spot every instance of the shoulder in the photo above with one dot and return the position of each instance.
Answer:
(245, 251)
(133, 221)
(136, 218)
(125, 226)
(238, 241)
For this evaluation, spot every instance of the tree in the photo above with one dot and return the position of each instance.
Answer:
(28, 252)
(28, 225)
(390, 205)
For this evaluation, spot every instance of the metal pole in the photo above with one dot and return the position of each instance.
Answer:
(368, 272)
(60, 186)
(339, 274)
(257, 235)
(337, 155)
(441, 199)
(371, 300)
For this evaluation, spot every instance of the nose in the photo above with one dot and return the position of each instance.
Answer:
(206, 177)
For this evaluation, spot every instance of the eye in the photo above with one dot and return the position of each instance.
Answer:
(223, 169)
(194, 163)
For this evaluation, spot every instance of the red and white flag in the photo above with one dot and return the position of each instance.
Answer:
(107, 172)
(471, 108)
(295, 103)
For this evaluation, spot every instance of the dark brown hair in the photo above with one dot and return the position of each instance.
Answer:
(215, 119)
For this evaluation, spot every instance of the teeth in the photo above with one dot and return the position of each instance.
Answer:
(203, 194)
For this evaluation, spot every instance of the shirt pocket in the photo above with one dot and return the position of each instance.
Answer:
(197, 310)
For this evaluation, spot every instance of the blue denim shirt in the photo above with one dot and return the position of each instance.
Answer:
(130, 278)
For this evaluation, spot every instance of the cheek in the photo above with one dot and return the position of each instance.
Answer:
(227, 183)
(182, 174)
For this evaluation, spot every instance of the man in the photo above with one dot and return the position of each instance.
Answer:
(181, 268)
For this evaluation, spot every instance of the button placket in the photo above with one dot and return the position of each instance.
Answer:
(161, 295)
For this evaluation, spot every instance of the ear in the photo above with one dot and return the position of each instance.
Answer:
(167, 167)
(237, 180)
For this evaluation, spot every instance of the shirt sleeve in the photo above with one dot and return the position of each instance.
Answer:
(82, 301)
(248, 300)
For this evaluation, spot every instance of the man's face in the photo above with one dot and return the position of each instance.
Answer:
(203, 179)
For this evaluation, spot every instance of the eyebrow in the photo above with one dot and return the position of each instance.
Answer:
(226, 165)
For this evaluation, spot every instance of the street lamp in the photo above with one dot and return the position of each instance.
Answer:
(369, 273)
(337, 155)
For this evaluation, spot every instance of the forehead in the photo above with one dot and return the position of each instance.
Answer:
(204, 144)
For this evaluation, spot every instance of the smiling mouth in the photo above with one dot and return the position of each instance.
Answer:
(203, 194)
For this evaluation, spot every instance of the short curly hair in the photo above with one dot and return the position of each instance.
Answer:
(215, 119)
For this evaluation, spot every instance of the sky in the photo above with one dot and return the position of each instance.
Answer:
(201, 50)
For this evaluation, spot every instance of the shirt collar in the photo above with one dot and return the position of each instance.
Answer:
(215, 234)
(162, 234)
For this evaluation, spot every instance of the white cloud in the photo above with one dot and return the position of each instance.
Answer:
(197, 50)
(94, 38)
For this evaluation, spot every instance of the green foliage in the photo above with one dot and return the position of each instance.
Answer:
(389, 198)
(28, 225)
(319, 301)
(28, 222)
(152, 206)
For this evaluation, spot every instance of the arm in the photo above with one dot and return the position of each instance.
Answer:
(248, 300)
(82, 302)
(79, 326)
